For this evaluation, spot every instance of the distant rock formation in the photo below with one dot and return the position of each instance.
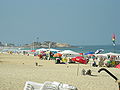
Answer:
(46, 44)
(62, 45)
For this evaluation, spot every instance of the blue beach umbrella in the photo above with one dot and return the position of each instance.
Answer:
(89, 53)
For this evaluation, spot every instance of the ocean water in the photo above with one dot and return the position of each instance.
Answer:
(92, 48)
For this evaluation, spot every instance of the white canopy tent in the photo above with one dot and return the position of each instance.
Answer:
(69, 53)
(51, 49)
(42, 49)
(106, 54)
(116, 54)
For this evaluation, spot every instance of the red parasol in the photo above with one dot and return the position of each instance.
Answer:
(81, 53)
(33, 50)
(80, 59)
(118, 66)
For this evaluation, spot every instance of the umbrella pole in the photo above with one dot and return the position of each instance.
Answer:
(78, 69)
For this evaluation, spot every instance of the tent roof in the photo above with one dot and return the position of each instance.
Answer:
(51, 49)
(69, 52)
(42, 49)
(106, 54)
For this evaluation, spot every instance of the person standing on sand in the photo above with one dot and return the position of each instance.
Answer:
(101, 62)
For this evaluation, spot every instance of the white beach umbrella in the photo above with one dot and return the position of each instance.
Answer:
(51, 49)
(25, 51)
(101, 55)
(69, 52)
(116, 54)
(99, 51)
(106, 54)
(42, 49)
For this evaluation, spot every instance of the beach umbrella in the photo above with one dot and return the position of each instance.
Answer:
(113, 54)
(80, 59)
(33, 50)
(118, 66)
(53, 50)
(69, 52)
(57, 55)
(89, 53)
(99, 51)
(25, 50)
(42, 49)
(43, 54)
(101, 55)
(81, 53)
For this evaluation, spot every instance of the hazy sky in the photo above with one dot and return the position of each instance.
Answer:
(81, 22)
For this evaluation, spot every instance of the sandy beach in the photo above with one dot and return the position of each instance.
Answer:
(15, 70)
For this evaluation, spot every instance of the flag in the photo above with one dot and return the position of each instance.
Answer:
(113, 39)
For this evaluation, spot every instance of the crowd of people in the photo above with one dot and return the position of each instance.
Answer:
(97, 61)
(108, 61)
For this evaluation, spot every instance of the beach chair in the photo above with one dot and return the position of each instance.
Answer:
(32, 86)
(57, 86)
(48, 86)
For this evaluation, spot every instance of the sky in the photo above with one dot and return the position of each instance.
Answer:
(77, 22)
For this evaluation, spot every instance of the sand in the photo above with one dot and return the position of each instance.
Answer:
(15, 70)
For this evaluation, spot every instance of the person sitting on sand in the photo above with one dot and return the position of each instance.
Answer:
(83, 72)
(94, 64)
(88, 72)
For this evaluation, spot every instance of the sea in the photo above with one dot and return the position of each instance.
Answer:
(93, 48)
(85, 48)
